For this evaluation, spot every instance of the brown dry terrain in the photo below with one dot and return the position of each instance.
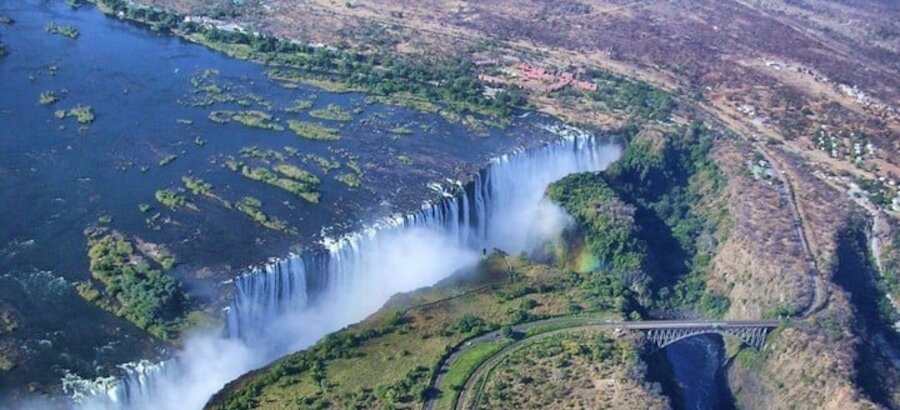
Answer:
(567, 372)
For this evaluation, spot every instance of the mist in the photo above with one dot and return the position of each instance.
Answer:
(273, 315)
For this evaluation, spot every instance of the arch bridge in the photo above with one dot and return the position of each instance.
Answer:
(661, 333)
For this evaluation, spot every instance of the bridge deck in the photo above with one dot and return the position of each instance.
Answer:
(684, 324)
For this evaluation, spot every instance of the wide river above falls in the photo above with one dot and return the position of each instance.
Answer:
(149, 93)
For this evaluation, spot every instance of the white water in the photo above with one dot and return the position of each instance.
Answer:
(274, 312)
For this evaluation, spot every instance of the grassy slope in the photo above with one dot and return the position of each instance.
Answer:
(413, 332)
(461, 370)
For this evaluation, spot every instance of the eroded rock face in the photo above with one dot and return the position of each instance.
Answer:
(762, 264)
(820, 357)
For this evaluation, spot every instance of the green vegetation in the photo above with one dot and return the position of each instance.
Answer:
(878, 192)
(297, 174)
(468, 361)
(606, 221)
(300, 105)
(257, 119)
(250, 118)
(296, 181)
(313, 131)
(387, 360)
(144, 208)
(165, 259)
(351, 180)
(638, 98)
(207, 91)
(65, 31)
(48, 97)
(84, 114)
(890, 266)
(404, 100)
(404, 159)
(220, 117)
(669, 178)
(252, 207)
(249, 99)
(605, 251)
(354, 179)
(547, 370)
(8, 321)
(653, 198)
(459, 372)
(197, 186)
(5, 363)
(131, 288)
(167, 160)
(332, 112)
(173, 199)
(401, 131)
(354, 166)
(265, 155)
(324, 163)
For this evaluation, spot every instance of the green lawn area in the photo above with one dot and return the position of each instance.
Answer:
(460, 370)
(567, 323)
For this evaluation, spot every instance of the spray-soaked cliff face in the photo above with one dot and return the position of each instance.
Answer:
(158, 105)
(289, 304)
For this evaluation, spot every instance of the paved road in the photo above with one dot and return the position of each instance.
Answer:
(570, 323)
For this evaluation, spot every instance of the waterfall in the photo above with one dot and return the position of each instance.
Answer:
(290, 303)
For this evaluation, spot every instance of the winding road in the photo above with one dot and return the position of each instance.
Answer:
(564, 324)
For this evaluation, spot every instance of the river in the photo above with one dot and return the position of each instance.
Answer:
(699, 376)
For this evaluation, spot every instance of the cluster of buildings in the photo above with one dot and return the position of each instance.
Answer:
(553, 81)
(540, 78)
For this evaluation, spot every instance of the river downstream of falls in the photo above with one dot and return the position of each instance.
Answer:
(289, 304)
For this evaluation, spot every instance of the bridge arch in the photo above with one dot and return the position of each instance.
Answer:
(754, 337)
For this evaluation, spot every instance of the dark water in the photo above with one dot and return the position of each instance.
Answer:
(57, 179)
(698, 379)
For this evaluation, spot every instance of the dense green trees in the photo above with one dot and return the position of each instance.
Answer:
(667, 176)
(606, 221)
(606, 225)
(638, 98)
(131, 288)
(641, 220)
